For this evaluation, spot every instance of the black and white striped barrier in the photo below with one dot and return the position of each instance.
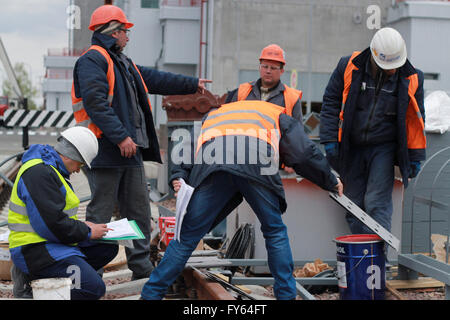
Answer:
(38, 118)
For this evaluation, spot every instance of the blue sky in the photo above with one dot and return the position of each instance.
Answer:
(28, 28)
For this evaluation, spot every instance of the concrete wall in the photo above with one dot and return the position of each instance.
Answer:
(424, 25)
(243, 28)
(145, 37)
(80, 39)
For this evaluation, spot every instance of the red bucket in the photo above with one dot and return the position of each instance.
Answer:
(167, 229)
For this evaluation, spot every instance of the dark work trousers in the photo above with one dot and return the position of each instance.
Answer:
(87, 284)
(369, 184)
(128, 188)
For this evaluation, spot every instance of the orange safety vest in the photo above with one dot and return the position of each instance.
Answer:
(415, 127)
(79, 112)
(252, 118)
(291, 95)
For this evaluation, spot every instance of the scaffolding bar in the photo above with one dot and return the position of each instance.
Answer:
(428, 266)
(304, 293)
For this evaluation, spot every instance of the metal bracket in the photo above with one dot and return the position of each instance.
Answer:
(349, 205)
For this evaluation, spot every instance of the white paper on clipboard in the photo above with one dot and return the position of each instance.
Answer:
(350, 206)
(183, 198)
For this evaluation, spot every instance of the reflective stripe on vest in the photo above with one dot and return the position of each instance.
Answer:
(22, 232)
(291, 95)
(415, 127)
(253, 118)
(79, 113)
(347, 83)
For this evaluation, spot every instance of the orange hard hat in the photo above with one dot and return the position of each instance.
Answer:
(273, 52)
(107, 13)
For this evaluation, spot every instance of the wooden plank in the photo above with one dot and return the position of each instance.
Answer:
(206, 289)
(225, 278)
(415, 284)
(395, 292)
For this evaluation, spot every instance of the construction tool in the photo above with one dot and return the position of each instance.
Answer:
(349, 205)
(216, 278)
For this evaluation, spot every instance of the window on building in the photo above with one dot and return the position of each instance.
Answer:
(431, 76)
(149, 3)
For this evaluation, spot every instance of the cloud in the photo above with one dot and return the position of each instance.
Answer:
(28, 28)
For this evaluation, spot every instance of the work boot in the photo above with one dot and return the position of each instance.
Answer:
(22, 284)
(140, 276)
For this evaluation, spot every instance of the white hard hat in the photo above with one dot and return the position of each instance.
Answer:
(388, 49)
(84, 140)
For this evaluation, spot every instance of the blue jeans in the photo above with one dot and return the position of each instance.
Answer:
(369, 184)
(206, 203)
(87, 283)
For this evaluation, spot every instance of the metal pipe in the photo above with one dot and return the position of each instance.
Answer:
(202, 43)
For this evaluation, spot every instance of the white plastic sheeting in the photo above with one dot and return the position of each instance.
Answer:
(437, 112)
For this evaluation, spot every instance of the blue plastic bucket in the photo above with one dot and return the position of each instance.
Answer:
(361, 267)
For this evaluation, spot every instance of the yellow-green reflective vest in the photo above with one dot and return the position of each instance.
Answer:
(21, 231)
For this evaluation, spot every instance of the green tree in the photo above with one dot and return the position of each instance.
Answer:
(25, 85)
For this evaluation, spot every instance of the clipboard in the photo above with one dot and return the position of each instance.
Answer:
(137, 230)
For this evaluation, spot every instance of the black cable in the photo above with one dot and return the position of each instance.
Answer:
(242, 241)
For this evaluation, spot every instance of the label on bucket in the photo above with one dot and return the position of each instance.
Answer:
(342, 278)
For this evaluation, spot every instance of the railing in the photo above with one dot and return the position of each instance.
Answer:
(422, 0)
(65, 52)
(59, 74)
(181, 3)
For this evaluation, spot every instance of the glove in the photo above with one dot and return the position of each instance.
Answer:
(332, 149)
(415, 168)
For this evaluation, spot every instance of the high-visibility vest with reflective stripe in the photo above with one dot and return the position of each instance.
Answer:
(21, 231)
(80, 114)
(415, 127)
(291, 95)
(253, 118)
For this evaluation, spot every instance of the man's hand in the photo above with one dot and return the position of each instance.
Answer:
(127, 147)
(176, 186)
(339, 188)
(97, 230)
(202, 85)
(288, 170)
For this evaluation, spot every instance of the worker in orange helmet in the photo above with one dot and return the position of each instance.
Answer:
(269, 86)
(110, 97)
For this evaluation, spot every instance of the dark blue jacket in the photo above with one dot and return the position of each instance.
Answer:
(296, 150)
(44, 195)
(117, 121)
(331, 107)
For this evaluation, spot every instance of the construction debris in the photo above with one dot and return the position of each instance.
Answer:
(439, 247)
(311, 269)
